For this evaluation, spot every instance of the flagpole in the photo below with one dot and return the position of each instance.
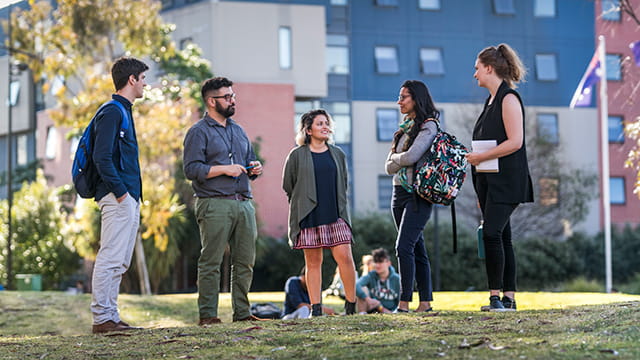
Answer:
(604, 144)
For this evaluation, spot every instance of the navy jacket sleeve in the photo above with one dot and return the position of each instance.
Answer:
(106, 127)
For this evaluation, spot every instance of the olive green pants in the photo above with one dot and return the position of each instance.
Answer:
(222, 222)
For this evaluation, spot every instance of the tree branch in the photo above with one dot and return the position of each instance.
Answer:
(626, 7)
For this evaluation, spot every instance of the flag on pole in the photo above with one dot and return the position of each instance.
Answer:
(582, 96)
(635, 49)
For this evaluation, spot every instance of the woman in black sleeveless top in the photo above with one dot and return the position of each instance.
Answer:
(498, 69)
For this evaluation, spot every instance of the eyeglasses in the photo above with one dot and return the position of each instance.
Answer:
(227, 97)
(402, 97)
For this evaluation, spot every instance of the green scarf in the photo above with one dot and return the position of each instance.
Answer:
(407, 124)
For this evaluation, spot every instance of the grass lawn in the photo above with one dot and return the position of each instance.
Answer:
(55, 325)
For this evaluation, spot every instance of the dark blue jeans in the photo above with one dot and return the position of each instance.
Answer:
(410, 216)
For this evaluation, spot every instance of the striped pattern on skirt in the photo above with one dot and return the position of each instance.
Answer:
(324, 236)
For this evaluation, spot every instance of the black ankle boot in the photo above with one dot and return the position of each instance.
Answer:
(316, 310)
(349, 308)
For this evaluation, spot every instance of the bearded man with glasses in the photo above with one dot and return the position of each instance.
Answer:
(220, 161)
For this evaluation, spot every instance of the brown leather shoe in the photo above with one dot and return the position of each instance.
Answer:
(132, 327)
(209, 321)
(251, 318)
(110, 326)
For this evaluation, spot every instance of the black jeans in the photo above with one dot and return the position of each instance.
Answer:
(410, 216)
(500, 259)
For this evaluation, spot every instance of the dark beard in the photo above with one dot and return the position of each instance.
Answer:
(226, 112)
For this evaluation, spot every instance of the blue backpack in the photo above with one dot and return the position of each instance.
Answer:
(83, 171)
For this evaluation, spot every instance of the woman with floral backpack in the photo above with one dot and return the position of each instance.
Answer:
(410, 212)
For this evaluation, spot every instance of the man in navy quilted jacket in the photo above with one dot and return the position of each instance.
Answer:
(118, 193)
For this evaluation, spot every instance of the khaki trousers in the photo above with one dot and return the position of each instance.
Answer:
(222, 222)
(119, 228)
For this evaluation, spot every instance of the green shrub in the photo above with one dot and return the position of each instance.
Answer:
(633, 286)
(449, 271)
(582, 284)
(39, 244)
(275, 262)
(543, 263)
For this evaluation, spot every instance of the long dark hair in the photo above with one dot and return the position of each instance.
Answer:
(424, 109)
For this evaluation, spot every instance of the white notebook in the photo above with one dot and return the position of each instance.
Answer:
(489, 166)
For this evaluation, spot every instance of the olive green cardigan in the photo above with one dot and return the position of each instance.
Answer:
(299, 182)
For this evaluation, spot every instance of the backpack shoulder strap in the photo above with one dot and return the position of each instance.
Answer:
(124, 125)
(436, 121)
(454, 227)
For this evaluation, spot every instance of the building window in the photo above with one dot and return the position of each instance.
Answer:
(51, 146)
(429, 4)
(503, 7)
(57, 84)
(341, 114)
(549, 191)
(302, 107)
(21, 151)
(616, 191)
(387, 123)
(14, 91)
(386, 60)
(387, 2)
(616, 129)
(431, 61)
(544, 8)
(385, 189)
(337, 56)
(611, 10)
(613, 67)
(546, 69)
(73, 146)
(284, 46)
(39, 95)
(339, 2)
(548, 128)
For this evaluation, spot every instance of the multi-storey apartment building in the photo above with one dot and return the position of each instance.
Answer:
(620, 30)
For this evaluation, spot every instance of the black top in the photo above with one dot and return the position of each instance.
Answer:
(512, 184)
(326, 173)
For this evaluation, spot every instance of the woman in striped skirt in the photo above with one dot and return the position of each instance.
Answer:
(315, 180)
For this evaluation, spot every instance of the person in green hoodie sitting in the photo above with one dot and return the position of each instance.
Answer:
(379, 290)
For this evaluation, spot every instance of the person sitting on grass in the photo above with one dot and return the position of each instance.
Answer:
(296, 302)
(367, 264)
(379, 290)
(336, 288)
